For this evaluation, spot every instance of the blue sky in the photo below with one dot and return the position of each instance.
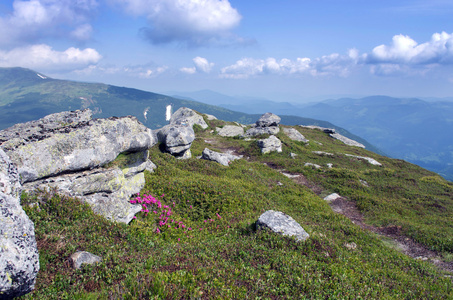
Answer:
(287, 50)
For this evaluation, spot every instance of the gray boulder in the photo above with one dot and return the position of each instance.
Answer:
(262, 130)
(268, 120)
(295, 135)
(230, 130)
(74, 154)
(50, 146)
(83, 257)
(19, 260)
(187, 116)
(222, 158)
(270, 144)
(177, 139)
(106, 190)
(283, 224)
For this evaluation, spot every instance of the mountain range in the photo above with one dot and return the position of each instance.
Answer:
(27, 95)
(412, 129)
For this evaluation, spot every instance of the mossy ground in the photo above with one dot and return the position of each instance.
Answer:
(224, 257)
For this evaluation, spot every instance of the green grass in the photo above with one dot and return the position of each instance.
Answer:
(225, 257)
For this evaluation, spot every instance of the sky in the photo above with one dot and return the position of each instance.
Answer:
(286, 50)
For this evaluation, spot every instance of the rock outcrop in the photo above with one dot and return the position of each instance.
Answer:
(295, 135)
(283, 224)
(331, 132)
(346, 141)
(230, 131)
(19, 261)
(222, 158)
(177, 139)
(187, 116)
(266, 124)
(71, 152)
(270, 144)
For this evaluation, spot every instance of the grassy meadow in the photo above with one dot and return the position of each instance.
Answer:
(209, 247)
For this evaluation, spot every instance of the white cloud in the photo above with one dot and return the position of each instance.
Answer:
(188, 70)
(195, 22)
(334, 64)
(33, 20)
(43, 57)
(138, 71)
(82, 32)
(202, 64)
(405, 50)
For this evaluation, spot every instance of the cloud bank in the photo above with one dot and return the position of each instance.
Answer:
(194, 22)
(334, 64)
(43, 57)
(403, 56)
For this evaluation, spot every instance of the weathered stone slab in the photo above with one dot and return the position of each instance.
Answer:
(187, 116)
(346, 141)
(230, 131)
(295, 135)
(270, 144)
(368, 159)
(268, 120)
(222, 158)
(262, 130)
(176, 138)
(48, 149)
(283, 224)
(19, 260)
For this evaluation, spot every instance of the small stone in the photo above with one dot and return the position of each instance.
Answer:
(351, 246)
(83, 257)
(312, 165)
(332, 197)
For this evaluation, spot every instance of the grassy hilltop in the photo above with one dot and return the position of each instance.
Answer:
(211, 250)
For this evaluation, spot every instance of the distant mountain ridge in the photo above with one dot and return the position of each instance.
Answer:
(27, 95)
(413, 129)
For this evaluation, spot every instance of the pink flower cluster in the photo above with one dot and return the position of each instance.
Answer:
(148, 201)
(163, 213)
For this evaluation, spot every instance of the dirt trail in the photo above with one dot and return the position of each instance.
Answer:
(349, 209)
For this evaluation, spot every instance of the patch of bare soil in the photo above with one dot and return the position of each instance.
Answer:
(403, 243)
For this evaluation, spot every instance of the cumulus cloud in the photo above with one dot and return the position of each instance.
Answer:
(195, 22)
(202, 65)
(334, 64)
(405, 50)
(43, 57)
(33, 20)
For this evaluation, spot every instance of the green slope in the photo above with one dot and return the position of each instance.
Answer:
(222, 256)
